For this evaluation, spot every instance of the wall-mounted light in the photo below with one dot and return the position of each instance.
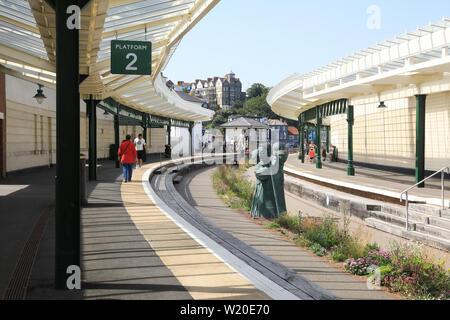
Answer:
(382, 105)
(105, 113)
(39, 96)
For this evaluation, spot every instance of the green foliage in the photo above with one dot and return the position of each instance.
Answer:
(318, 249)
(238, 105)
(414, 274)
(236, 192)
(338, 256)
(257, 90)
(273, 225)
(324, 232)
(258, 106)
(370, 247)
(290, 223)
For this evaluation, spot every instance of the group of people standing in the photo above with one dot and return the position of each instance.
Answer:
(310, 150)
(130, 154)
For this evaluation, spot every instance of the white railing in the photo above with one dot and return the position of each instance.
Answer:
(405, 192)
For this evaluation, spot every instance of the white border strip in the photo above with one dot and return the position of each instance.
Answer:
(260, 281)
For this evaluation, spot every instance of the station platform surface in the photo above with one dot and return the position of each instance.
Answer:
(381, 184)
(132, 250)
(129, 248)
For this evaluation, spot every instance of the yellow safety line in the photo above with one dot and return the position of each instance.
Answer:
(202, 274)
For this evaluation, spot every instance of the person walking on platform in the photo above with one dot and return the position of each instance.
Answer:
(128, 157)
(139, 142)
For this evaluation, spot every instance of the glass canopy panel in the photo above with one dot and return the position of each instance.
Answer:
(17, 10)
(149, 91)
(21, 39)
(129, 17)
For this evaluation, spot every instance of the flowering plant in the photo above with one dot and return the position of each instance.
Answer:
(445, 295)
(383, 258)
(360, 266)
(415, 274)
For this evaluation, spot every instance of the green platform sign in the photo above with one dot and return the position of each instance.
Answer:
(131, 57)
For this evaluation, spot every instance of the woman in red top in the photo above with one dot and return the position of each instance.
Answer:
(127, 156)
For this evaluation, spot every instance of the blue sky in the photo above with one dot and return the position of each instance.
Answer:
(266, 41)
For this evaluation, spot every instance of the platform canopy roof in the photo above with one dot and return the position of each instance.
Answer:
(418, 60)
(28, 48)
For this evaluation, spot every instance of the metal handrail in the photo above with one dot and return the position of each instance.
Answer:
(405, 192)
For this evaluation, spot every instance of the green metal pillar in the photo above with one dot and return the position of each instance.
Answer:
(91, 108)
(257, 145)
(191, 144)
(67, 186)
(144, 126)
(351, 121)
(420, 139)
(169, 130)
(117, 134)
(318, 139)
(169, 141)
(300, 137)
(304, 136)
(328, 138)
(144, 133)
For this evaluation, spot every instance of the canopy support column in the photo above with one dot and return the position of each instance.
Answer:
(191, 144)
(144, 134)
(318, 139)
(328, 138)
(351, 121)
(169, 141)
(169, 131)
(420, 139)
(300, 138)
(2, 126)
(91, 108)
(303, 135)
(117, 134)
(67, 186)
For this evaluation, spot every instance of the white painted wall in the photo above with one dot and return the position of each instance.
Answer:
(31, 128)
(388, 136)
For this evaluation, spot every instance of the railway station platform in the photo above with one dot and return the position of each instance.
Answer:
(373, 197)
(375, 183)
(130, 249)
(134, 248)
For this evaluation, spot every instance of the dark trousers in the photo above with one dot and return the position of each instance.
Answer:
(127, 171)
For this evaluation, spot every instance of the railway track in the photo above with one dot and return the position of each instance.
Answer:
(280, 281)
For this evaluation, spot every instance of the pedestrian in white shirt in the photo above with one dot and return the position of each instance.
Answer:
(140, 148)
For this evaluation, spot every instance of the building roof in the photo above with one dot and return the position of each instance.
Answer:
(243, 122)
(277, 122)
(183, 95)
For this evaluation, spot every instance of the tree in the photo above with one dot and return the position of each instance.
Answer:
(258, 106)
(238, 104)
(256, 90)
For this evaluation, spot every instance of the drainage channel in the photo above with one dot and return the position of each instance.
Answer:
(256, 263)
